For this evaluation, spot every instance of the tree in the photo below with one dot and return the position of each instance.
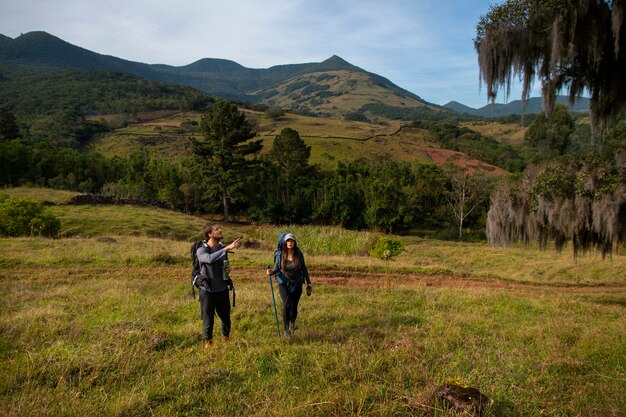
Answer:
(291, 154)
(428, 195)
(225, 149)
(387, 196)
(571, 44)
(341, 196)
(615, 141)
(572, 198)
(275, 113)
(8, 125)
(15, 158)
(468, 191)
(551, 136)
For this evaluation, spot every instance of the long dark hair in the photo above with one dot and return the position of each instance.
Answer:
(284, 253)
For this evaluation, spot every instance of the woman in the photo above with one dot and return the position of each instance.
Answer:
(291, 272)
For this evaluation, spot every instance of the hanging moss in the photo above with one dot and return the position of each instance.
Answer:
(582, 200)
(566, 44)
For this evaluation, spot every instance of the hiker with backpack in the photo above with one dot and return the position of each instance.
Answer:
(213, 281)
(291, 272)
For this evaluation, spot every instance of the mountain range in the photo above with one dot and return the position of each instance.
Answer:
(333, 87)
(533, 105)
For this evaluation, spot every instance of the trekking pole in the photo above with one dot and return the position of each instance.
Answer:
(228, 279)
(274, 302)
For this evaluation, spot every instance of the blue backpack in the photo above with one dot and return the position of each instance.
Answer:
(291, 285)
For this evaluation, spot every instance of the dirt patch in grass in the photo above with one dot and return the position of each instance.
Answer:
(378, 280)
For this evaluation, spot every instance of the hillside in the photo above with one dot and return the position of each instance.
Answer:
(331, 140)
(35, 91)
(502, 132)
(273, 86)
(338, 93)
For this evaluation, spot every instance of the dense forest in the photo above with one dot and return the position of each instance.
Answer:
(32, 92)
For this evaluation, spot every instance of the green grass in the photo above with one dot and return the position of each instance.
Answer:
(126, 220)
(317, 240)
(125, 340)
(102, 323)
(331, 251)
(502, 132)
(39, 194)
(104, 220)
(328, 247)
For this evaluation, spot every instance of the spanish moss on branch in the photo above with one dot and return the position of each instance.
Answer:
(582, 200)
(566, 44)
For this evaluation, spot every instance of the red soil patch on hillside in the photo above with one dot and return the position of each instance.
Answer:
(442, 156)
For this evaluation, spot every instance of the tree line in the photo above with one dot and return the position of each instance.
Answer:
(228, 173)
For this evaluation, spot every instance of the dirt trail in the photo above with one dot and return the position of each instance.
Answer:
(377, 280)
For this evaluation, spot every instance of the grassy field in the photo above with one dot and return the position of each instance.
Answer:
(331, 140)
(102, 322)
(503, 132)
(122, 337)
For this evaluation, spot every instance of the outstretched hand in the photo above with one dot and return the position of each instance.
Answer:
(233, 245)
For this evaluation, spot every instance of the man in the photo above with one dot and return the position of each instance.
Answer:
(214, 294)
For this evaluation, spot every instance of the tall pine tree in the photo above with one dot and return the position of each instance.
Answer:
(224, 150)
(291, 154)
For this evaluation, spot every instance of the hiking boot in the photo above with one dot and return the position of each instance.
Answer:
(208, 344)
(226, 338)
(292, 327)
(287, 335)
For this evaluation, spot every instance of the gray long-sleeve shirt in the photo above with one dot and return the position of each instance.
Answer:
(212, 265)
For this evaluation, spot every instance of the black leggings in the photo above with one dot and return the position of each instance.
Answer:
(290, 303)
(210, 303)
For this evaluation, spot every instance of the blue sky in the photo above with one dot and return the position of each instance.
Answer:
(424, 46)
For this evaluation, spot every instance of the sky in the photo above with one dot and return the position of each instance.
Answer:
(424, 46)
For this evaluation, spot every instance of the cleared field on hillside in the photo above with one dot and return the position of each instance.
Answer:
(331, 140)
(511, 133)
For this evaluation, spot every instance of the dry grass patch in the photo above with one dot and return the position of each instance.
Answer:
(511, 133)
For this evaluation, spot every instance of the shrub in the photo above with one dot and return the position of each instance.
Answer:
(27, 217)
(356, 117)
(387, 248)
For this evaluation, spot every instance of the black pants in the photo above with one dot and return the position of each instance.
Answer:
(210, 303)
(290, 303)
